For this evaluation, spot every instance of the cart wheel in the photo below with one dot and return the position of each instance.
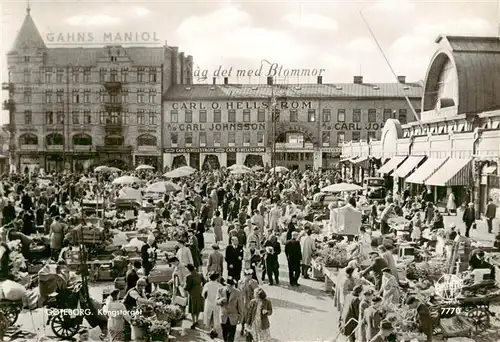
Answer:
(64, 326)
(12, 314)
(480, 318)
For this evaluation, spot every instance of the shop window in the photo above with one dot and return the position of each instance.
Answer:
(28, 139)
(146, 140)
(54, 139)
(82, 139)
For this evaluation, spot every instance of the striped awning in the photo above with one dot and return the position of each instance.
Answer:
(391, 165)
(363, 162)
(408, 166)
(425, 170)
(454, 172)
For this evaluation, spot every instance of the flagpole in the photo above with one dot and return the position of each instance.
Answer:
(392, 70)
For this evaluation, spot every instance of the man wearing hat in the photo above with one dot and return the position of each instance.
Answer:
(377, 265)
(350, 314)
(386, 330)
(469, 218)
(293, 253)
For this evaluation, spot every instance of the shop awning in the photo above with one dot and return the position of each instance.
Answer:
(408, 166)
(452, 173)
(391, 165)
(346, 159)
(363, 162)
(489, 170)
(425, 170)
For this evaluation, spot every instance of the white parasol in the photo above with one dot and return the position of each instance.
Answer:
(178, 173)
(163, 187)
(187, 168)
(144, 167)
(102, 168)
(128, 193)
(341, 187)
(125, 180)
(257, 168)
(280, 169)
(240, 171)
(238, 167)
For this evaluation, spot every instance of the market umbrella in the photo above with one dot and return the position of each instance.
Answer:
(257, 168)
(114, 169)
(144, 167)
(281, 169)
(341, 187)
(163, 187)
(178, 173)
(238, 167)
(102, 168)
(125, 180)
(187, 168)
(240, 171)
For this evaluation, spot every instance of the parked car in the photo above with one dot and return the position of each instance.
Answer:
(374, 188)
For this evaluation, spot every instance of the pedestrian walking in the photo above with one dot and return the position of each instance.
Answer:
(469, 218)
(293, 253)
(490, 214)
(230, 301)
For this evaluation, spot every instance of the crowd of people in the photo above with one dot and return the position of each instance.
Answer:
(264, 217)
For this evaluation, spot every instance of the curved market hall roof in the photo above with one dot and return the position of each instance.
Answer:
(477, 63)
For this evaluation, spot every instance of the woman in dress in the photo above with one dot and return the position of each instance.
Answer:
(257, 317)
(217, 224)
(389, 290)
(451, 206)
(117, 315)
(194, 287)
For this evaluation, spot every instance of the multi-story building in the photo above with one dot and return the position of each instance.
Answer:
(71, 108)
(455, 147)
(225, 124)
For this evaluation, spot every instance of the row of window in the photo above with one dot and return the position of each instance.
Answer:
(217, 138)
(78, 96)
(294, 116)
(85, 117)
(84, 75)
(355, 137)
(80, 139)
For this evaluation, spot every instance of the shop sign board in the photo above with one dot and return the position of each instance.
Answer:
(215, 150)
(197, 127)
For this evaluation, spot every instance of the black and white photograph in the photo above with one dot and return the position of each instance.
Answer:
(250, 171)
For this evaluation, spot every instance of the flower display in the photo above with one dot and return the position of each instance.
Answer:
(426, 270)
(402, 317)
(173, 312)
(159, 328)
(338, 255)
(162, 297)
(140, 321)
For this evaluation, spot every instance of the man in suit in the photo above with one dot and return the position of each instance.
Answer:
(231, 305)
(234, 259)
(215, 261)
(424, 317)
(132, 277)
(490, 214)
(372, 317)
(293, 253)
(377, 265)
(469, 218)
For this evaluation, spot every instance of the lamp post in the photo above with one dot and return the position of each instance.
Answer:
(272, 108)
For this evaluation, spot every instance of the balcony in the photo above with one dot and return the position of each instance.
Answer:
(55, 148)
(9, 105)
(8, 86)
(113, 107)
(82, 148)
(30, 147)
(114, 148)
(113, 86)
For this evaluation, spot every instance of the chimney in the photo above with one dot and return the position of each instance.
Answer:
(214, 81)
(269, 80)
(320, 79)
(226, 80)
(175, 65)
(402, 79)
(189, 67)
(358, 79)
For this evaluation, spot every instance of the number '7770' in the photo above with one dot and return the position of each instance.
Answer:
(451, 311)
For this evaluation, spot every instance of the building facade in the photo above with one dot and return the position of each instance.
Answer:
(71, 108)
(297, 126)
(455, 148)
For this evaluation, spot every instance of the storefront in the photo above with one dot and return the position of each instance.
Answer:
(82, 161)
(150, 160)
(54, 162)
(30, 162)
(330, 157)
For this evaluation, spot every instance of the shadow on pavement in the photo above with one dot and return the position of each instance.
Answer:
(280, 303)
(319, 294)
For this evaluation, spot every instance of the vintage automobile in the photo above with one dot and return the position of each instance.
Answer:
(374, 188)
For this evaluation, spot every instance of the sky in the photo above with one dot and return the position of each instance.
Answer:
(330, 35)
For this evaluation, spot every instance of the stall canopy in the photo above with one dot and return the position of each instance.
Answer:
(408, 165)
(454, 172)
(392, 164)
(362, 161)
(425, 170)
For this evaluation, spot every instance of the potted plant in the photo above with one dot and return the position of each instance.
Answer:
(174, 313)
(159, 330)
(162, 311)
(162, 297)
